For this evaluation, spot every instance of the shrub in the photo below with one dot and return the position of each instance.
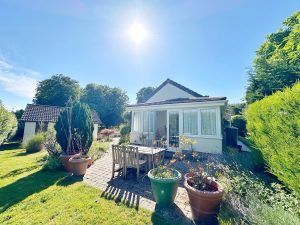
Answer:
(51, 144)
(107, 133)
(8, 124)
(239, 121)
(273, 125)
(125, 129)
(35, 144)
(53, 162)
(74, 129)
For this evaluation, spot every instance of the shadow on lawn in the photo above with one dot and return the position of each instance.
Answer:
(10, 146)
(34, 183)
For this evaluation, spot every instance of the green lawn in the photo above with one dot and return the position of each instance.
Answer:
(30, 195)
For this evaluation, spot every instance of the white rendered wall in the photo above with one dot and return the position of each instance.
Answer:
(169, 91)
(29, 131)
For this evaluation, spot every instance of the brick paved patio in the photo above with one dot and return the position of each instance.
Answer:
(134, 193)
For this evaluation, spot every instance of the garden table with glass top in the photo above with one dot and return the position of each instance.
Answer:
(150, 153)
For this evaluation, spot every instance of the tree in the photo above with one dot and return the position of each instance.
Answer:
(74, 128)
(277, 62)
(57, 91)
(144, 93)
(21, 125)
(8, 124)
(109, 103)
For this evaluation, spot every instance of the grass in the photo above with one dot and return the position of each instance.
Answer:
(98, 148)
(30, 195)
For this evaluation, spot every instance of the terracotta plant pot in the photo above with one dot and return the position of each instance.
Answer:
(204, 203)
(90, 161)
(78, 165)
(65, 161)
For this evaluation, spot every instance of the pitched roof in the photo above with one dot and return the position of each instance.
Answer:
(169, 81)
(181, 100)
(47, 113)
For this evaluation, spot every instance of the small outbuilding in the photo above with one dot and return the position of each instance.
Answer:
(39, 118)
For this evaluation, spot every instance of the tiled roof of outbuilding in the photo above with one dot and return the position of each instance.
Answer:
(47, 113)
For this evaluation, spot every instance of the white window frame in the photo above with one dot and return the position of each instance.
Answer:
(217, 123)
(198, 118)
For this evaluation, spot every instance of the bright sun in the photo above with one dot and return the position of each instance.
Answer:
(137, 33)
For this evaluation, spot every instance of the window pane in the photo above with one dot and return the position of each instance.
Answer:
(146, 121)
(190, 122)
(208, 122)
(151, 121)
(136, 121)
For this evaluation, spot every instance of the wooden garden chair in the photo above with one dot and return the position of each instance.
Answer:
(118, 156)
(133, 160)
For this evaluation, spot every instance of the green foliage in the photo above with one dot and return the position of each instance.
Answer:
(163, 172)
(144, 93)
(51, 144)
(239, 121)
(273, 125)
(109, 103)
(74, 129)
(236, 109)
(8, 124)
(53, 162)
(277, 62)
(125, 129)
(57, 91)
(35, 144)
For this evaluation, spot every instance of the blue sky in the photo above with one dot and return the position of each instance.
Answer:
(204, 45)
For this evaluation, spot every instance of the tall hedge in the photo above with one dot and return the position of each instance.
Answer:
(80, 117)
(8, 124)
(273, 124)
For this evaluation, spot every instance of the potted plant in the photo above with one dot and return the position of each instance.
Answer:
(74, 129)
(164, 183)
(204, 192)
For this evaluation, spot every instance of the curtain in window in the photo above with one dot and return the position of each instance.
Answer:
(136, 121)
(151, 121)
(190, 122)
(208, 122)
(146, 121)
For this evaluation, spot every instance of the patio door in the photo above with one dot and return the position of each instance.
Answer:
(174, 129)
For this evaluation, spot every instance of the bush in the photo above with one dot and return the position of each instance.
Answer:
(107, 133)
(81, 128)
(125, 129)
(51, 144)
(53, 162)
(273, 125)
(8, 124)
(239, 122)
(35, 144)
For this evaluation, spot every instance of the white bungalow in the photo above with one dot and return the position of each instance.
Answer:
(173, 110)
(39, 118)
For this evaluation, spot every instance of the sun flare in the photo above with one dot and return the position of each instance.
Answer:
(137, 33)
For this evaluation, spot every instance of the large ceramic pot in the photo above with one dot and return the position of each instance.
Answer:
(65, 161)
(78, 165)
(164, 190)
(204, 203)
(90, 161)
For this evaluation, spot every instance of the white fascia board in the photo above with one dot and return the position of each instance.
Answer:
(177, 106)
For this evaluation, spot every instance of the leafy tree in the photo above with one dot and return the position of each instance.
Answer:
(8, 124)
(57, 91)
(277, 62)
(21, 125)
(236, 109)
(108, 102)
(144, 93)
(74, 128)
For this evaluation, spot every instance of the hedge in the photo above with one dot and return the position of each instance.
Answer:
(273, 124)
(239, 121)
